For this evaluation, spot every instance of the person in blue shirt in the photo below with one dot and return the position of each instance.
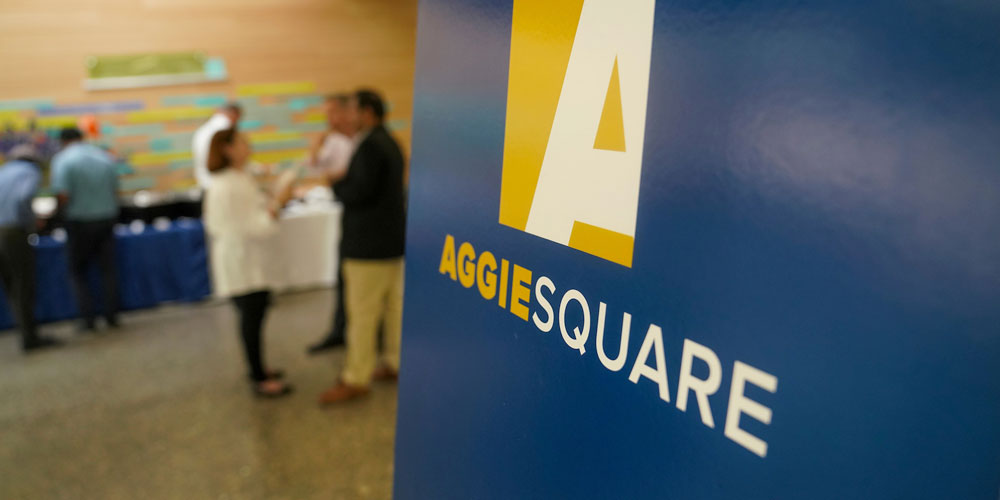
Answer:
(85, 180)
(19, 180)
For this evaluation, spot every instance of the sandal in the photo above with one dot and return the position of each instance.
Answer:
(282, 390)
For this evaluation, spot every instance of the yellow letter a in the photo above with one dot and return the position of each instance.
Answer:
(448, 258)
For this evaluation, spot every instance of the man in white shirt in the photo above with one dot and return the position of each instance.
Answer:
(226, 117)
(331, 155)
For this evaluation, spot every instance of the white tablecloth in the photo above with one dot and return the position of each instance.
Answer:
(305, 250)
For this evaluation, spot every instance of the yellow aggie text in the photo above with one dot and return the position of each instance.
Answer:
(518, 290)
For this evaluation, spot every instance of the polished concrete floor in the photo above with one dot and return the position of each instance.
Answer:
(161, 409)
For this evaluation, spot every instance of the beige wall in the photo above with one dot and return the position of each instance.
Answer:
(336, 43)
(339, 44)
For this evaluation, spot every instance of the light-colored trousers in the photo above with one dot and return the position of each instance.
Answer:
(373, 295)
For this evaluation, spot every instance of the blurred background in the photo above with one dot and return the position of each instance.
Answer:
(159, 407)
(139, 76)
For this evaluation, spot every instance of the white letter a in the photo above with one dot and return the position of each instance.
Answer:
(653, 340)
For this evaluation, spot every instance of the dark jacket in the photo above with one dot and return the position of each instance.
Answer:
(372, 193)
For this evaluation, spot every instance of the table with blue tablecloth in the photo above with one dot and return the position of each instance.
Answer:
(171, 264)
(155, 265)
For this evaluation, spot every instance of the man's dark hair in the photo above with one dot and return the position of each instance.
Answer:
(70, 134)
(370, 99)
(234, 107)
(341, 98)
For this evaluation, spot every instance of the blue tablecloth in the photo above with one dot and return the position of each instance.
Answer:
(154, 266)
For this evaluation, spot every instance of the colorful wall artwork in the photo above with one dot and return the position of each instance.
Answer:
(153, 139)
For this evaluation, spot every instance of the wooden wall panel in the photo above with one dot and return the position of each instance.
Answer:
(339, 44)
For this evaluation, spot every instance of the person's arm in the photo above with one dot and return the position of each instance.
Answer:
(284, 189)
(116, 176)
(60, 187)
(340, 160)
(200, 145)
(317, 145)
(361, 182)
(26, 194)
(260, 213)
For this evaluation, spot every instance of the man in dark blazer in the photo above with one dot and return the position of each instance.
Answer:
(374, 228)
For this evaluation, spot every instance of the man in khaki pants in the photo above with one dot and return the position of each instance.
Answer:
(374, 228)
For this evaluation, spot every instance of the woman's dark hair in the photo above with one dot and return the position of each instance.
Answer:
(218, 159)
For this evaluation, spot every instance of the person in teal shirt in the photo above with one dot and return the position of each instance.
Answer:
(85, 180)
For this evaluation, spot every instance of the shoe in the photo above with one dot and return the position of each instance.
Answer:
(38, 343)
(342, 392)
(271, 389)
(326, 344)
(385, 374)
(86, 327)
(276, 374)
(113, 323)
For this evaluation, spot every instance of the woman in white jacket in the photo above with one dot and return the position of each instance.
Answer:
(239, 218)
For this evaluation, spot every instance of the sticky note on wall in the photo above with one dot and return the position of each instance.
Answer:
(215, 69)
(184, 184)
(258, 137)
(132, 130)
(198, 100)
(13, 119)
(124, 168)
(93, 108)
(270, 114)
(56, 121)
(181, 164)
(154, 171)
(158, 158)
(314, 117)
(246, 125)
(271, 157)
(160, 144)
(302, 103)
(278, 88)
(26, 104)
(136, 183)
(168, 114)
(179, 141)
(281, 145)
(306, 127)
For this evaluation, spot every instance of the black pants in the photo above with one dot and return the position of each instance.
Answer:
(17, 275)
(337, 328)
(253, 309)
(92, 243)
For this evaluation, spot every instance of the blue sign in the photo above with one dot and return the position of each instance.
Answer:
(703, 250)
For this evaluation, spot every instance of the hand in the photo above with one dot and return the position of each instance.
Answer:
(314, 149)
(334, 176)
(284, 187)
(318, 141)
